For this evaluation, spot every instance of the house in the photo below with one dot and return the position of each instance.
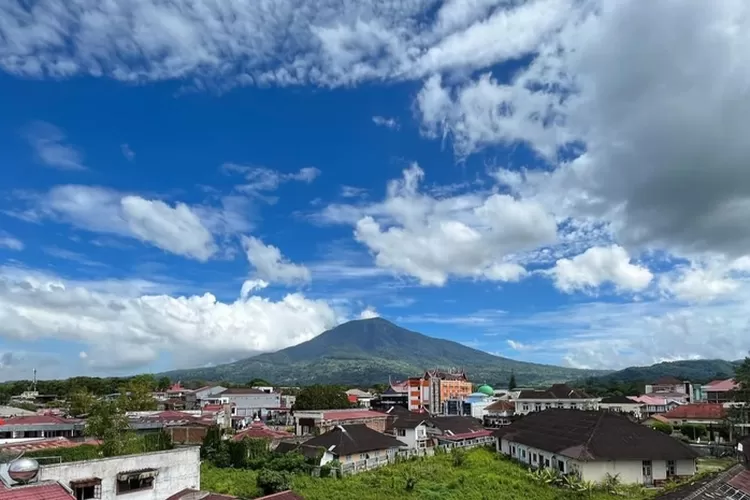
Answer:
(697, 413)
(592, 444)
(359, 397)
(40, 426)
(320, 421)
(247, 403)
(147, 476)
(397, 394)
(670, 388)
(720, 391)
(652, 405)
(206, 392)
(622, 404)
(431, 390)
(356, 447)
(458, 432)
(499, 414)
(259, 430)
(558, 396)
(733, 483)
(411, 429)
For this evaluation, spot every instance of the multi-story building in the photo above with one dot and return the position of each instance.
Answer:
(671, 388)
(148, 476)
(719, 391)
(40, 426)
(558, 396)
(247, 403)
(435, 387)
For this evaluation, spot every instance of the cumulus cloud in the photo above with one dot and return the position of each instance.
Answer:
(130, 330)
(600, 265)
(174, 228)
(369, 313)
(270, 265)
(50, 147)
(432, 239)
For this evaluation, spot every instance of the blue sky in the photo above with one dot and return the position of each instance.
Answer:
(532, 179)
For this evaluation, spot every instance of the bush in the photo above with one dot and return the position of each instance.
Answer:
(662, 427)
(693, 431)
(458, 456)
(271, 481)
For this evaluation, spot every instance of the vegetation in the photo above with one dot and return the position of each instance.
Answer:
(662, 427)
(693, 431)
(482, 475)
(107, 422)
(365, 352)
(322, 397)
(512, 382)
(697, 371)
(713, 464)
(135, 444)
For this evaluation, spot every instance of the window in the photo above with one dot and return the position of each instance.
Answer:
(546, 462)
(523, 453)
(525, 407)
(670, 468)
(537, 406)
(560, 404)
(561, 466)
(513, 450)
(402, 432)
(87, 488)
(547, 406)
(533, 457)
(135, 481)
(573, 406)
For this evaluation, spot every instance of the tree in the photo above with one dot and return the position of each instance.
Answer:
(136, 395)
(271, 481)
(259, 382)
(693, 431)
(107, 422)
(81, 403)
(512, 382)
(322, 397)
(662, 427)
(163, 384)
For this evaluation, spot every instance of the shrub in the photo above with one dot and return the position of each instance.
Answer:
(458, 456)
(693, 431)
(271, 481)
(662, 427)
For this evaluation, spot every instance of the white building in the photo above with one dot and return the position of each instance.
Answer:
(411, 430)
(559, 396)
(592, 444)
(149, 476)
(622, 404)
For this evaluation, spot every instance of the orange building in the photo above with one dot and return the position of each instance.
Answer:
(434, 387)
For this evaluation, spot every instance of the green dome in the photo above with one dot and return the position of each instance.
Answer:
(486, 389)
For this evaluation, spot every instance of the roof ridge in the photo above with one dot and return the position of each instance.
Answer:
(593, 432)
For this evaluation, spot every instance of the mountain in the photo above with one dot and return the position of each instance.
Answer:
(368, 351)
(698, 370)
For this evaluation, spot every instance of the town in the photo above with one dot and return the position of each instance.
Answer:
(162, 439)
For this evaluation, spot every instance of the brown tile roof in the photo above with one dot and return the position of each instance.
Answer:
(592, 435)
(47, 444)
(501, 406)
(352, 414)
(192, 494)
(618, 400)
(39, 420)
(557, 391)
(456, 424)
(349, 439)
(258, 430)
(36, 491)
(697, 411)
(284, 495)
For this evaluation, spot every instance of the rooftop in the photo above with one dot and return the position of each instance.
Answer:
(351, 414)
(48, 490)
(282, 495)
(345, 440)
(241, 390)
(501, 406)
(258, 430)
(708, 411)
(39, 420)
(592, 435)
(722, 385)
(46, 444)
(191, 494)
(557, 391)
(618, 400)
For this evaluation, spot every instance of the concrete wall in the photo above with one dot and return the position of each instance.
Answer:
(178, 469)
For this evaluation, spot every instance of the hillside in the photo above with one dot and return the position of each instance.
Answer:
(698, 370)
(366, 352)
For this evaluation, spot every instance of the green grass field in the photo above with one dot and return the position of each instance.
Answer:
(482, 476)
(711, 464)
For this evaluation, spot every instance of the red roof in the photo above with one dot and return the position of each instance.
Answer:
(212, 408)
(262, 431)
(741, 481)
(47, 444)
(283, 495)
(722, 385)
(351, 414)
(352, 398)
(38, 491)
(38, 420)
(707, 411)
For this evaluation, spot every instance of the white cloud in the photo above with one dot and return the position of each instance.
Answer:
(369, 313)
(270, 265)
(261, 42)
(127, 152)
(176, 229)
(432, 239)
(51, 148)
(131, 329)
(353, 192)
(383, 121)
(261, 180)
(599, 265)
(9, 242)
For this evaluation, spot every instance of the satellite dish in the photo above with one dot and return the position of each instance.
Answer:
(23, 470)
